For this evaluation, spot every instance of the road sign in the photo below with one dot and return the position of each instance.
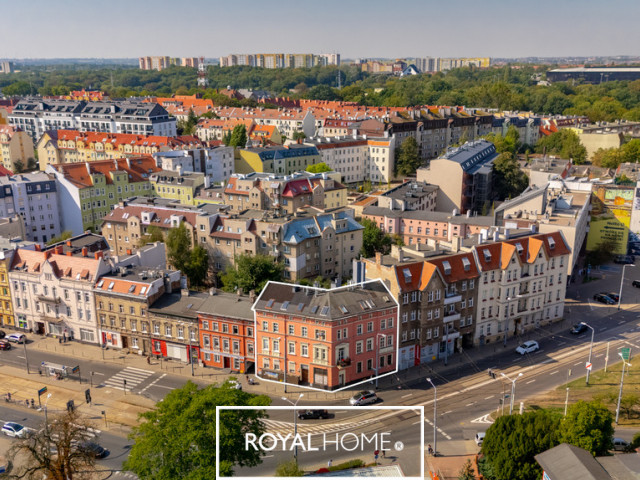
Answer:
(588, 365)
(626, 353)
(42, 390)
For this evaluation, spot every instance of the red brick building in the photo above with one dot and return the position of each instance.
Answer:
(325, 338)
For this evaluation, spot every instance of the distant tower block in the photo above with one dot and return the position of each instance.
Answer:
(202, 74)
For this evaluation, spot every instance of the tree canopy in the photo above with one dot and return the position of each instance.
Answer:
(167, 446)
(373, 239)
(319, 168)
(251, 272)
(154, 234)
(408, 157)
(588, 425)
(612, 157)
(507, 143)
(238, 137)
(193, 262)
(564, 143)
(509, 180)
(61, 238)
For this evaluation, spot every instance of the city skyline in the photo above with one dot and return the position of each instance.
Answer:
(462, 28)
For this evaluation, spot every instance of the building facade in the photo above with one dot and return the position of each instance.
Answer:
(16, 146)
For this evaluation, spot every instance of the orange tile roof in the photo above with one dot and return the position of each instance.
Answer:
(73, 267)
(428, 269)
(79, 174)
(457, 268)
(121, 285)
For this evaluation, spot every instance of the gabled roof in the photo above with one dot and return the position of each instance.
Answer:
(71, 267)
(80, 174)
(567, 462)
(457, 269)
(409, 276)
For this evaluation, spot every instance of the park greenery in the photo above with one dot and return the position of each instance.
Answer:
(319, 168)
(251, 272)
(511, 87)
(61, 238)
(512, 441)
(166, 446)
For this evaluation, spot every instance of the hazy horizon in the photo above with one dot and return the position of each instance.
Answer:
(122, 29)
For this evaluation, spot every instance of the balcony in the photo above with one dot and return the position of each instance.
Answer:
(343, 362)
(50, 299)
(452, 298)
(451, 318)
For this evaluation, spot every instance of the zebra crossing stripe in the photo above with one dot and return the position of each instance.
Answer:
(133, 376)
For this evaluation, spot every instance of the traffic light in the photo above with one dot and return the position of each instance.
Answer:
(87, 395)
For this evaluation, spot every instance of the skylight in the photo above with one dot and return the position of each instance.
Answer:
(325, 311)
(343, 309)
(270, 303)
(100, 283)
(144, 289)
(285, 305)
(132, 288)
(300, 306)
(111, 285)
(407, 275)
(447, 267)
(314, 309)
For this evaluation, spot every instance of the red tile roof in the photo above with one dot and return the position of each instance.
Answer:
(161, 216)
(138, 170)
(77, 268)
(457, 268)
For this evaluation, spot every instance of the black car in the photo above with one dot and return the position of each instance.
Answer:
(94, 449)
(623, 259)
(313, 414)
(2, 334)
(636, 283)
(4, 345)
(613, 296)
(599, 297)
(578, 328)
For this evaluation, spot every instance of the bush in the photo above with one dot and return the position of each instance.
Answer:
(356, 463)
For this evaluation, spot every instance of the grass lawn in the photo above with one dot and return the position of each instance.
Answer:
(602, 386)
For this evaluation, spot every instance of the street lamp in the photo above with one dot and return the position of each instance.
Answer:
(190, 350)
(513, 390)
(590, 348)
(621, 282)
(435, 417)
(46, 423)
(378, 355)
(624, 363)
(295, 423)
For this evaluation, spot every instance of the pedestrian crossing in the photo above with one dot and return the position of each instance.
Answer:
(276, 426)
(133, 377)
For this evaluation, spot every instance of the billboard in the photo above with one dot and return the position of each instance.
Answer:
(610, 216)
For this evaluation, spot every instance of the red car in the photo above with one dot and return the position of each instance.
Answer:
(4, 345)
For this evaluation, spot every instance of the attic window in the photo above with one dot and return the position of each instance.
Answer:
(487, 255)
(300, 306)
(519, 247)
(447, 267)
(466, 263)
(363, 304)
(285, 305)
(343, 309)
(100, 283)
(144, 289)
(132, 288)
(552, 243)
(407, 275)
(371, 304)
(325, 311)
(385, 298)
(270, 303)
(314, 309)
(111, 285)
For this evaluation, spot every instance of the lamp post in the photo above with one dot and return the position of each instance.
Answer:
(446, 344)
(621, 282)
(435, 417)
(590, 348)
(513, 390)
(26, 358)
(624, 363)
(190, 350)
(46, 423)
(378, 355)
(295, 423)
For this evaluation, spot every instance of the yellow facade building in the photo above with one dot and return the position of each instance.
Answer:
(15, 146)
(6, 307)
(182, 188)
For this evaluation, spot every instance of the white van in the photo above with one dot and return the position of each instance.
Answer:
(480, 438)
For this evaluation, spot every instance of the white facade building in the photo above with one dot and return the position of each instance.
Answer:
(216, 163)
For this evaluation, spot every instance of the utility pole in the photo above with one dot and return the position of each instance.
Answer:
(606, 358)
(26, 358)
(566, 402)
(624, 363)
(435, 417)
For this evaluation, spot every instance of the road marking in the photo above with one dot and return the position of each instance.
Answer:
(448, 411)
(469, 404)
(133, 377)
(490, 396)
(530, 381)
(553, 373)
(153, 383)
(599, 355)
(416, 423)
(20, 357)
(561, 343)
(483, 419)
(579, 363)
(515, 360)
(581, 336)
(602, 329)
(407, 395)
(621, 322)
(341, 411)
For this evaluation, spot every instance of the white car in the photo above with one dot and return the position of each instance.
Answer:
(17, 338)
(16, 430)
(528, 347)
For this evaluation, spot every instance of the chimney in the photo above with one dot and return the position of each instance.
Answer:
(239, 293)
(85, 251)
(184, 292)
(68, 243)
(47, 254)
(69, 253)
(378, 258)
(252, 296)
(129, 251)
(99, 255)
(59, 250)
(38, 248)
(213, 291)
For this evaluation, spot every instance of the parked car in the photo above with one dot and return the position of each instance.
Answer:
(607, 300)
(623, 259)
(620, 445)
(2, 334)
(13, 429)
(364, 398)
(528, 347)
(17, 338)
(4, 345)
(97, 451)
(313, 414)
(578, 328)
(636, 283)
(613, 296)
(480, 438)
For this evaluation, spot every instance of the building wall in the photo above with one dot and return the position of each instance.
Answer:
(16, 147)
(448, 176)
(6, 303)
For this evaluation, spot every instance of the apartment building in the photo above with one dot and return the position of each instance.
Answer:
(357, 158)
(276, 159)
(16, 146)
(522, 285)
(162, 62)
(326, 339)
(178, 186)
(37, 115)
(217, 163)
(52, 293)
(287, 121)
(280, 60)
(73, 146)
(36, 198)
(88, 191)
(526, 124)
(123, 299)
(226, 328)
(464, 176)
(6, 303)
(410, 195)
(209, 129)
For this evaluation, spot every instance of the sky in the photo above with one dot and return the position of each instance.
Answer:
(353, 28)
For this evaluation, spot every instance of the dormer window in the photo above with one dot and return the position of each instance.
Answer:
(447, 267)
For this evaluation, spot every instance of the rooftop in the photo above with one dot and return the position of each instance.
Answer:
(179, 304)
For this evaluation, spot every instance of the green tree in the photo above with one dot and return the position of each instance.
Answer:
(226, 138)
(289, 469)
(251, 272)
(408, 157)
(298, 136)
(167, 446)
(18, 166)
(512, 442)
(467, 472)
(628, 403)
(198, 267)
(509, 143)
(319, 168)
(564, 143)
(55, 452)
(61, 238)
(373, 239)
(154, 234)
(631, 151)
(607, 157)
(238, 136)
(588, 425)
(509, 180)
(179, 247)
